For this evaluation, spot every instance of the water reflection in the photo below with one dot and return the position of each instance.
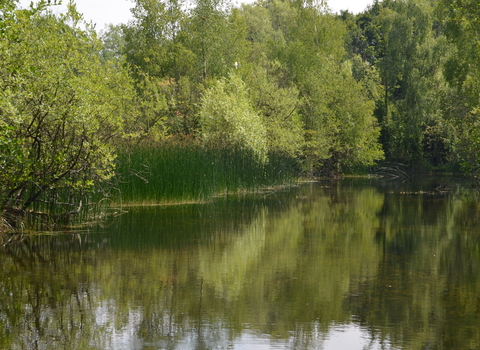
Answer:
(357, 264)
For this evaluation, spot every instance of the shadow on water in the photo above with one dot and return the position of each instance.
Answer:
(358, 263)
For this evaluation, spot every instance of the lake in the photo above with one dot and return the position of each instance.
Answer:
(349, 264)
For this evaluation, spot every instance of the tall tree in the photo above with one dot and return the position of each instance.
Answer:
(154, 39)
(402, 40)
(217, 37)
(159, 54)
(60, 107)
(461, 23)
(338, 114)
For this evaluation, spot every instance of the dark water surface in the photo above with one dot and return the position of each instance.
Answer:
(354, 264)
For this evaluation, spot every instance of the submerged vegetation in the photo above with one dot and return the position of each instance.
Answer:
(192, 99)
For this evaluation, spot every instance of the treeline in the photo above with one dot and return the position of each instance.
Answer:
(272, 77)
(426, 56)
(400, 82)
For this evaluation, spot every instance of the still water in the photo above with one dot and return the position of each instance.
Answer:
(353, 264)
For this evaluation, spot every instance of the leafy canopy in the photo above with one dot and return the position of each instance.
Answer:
(60, 107)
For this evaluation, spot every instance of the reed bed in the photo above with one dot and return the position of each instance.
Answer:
(169, 172)
(189, 171)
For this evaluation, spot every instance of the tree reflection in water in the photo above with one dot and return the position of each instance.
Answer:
(322, 266)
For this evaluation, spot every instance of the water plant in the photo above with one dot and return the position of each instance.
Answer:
(174, 171)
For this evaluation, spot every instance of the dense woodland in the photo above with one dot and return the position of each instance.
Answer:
(399, 82)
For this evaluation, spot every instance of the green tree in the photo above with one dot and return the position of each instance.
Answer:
(338, 111)
(306, 45)
(461, 107)
(61, 109)
(342, 128)
(113, 43)
(279, 109)
(404, 42)
(217, 36)
(158, 46)
(228, 118)
(154, 39)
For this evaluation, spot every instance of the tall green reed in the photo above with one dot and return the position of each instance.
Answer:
(188, 170)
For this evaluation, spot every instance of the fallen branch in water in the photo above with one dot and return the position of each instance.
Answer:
(394, 171)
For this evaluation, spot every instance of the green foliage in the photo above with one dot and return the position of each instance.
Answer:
(337, 112)
(461, 19)
(158, 45)
(462, 71)
(154, 40)
(181, 110)
(60, 108)
(289, 53)
(217, 39)
(406, 46)
(344, 130)
(113, 43)
(278, 108)
(228, 118)
(152, 109)
(406, 26)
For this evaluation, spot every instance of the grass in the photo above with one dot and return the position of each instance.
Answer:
(164, 173)
(177, 171)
